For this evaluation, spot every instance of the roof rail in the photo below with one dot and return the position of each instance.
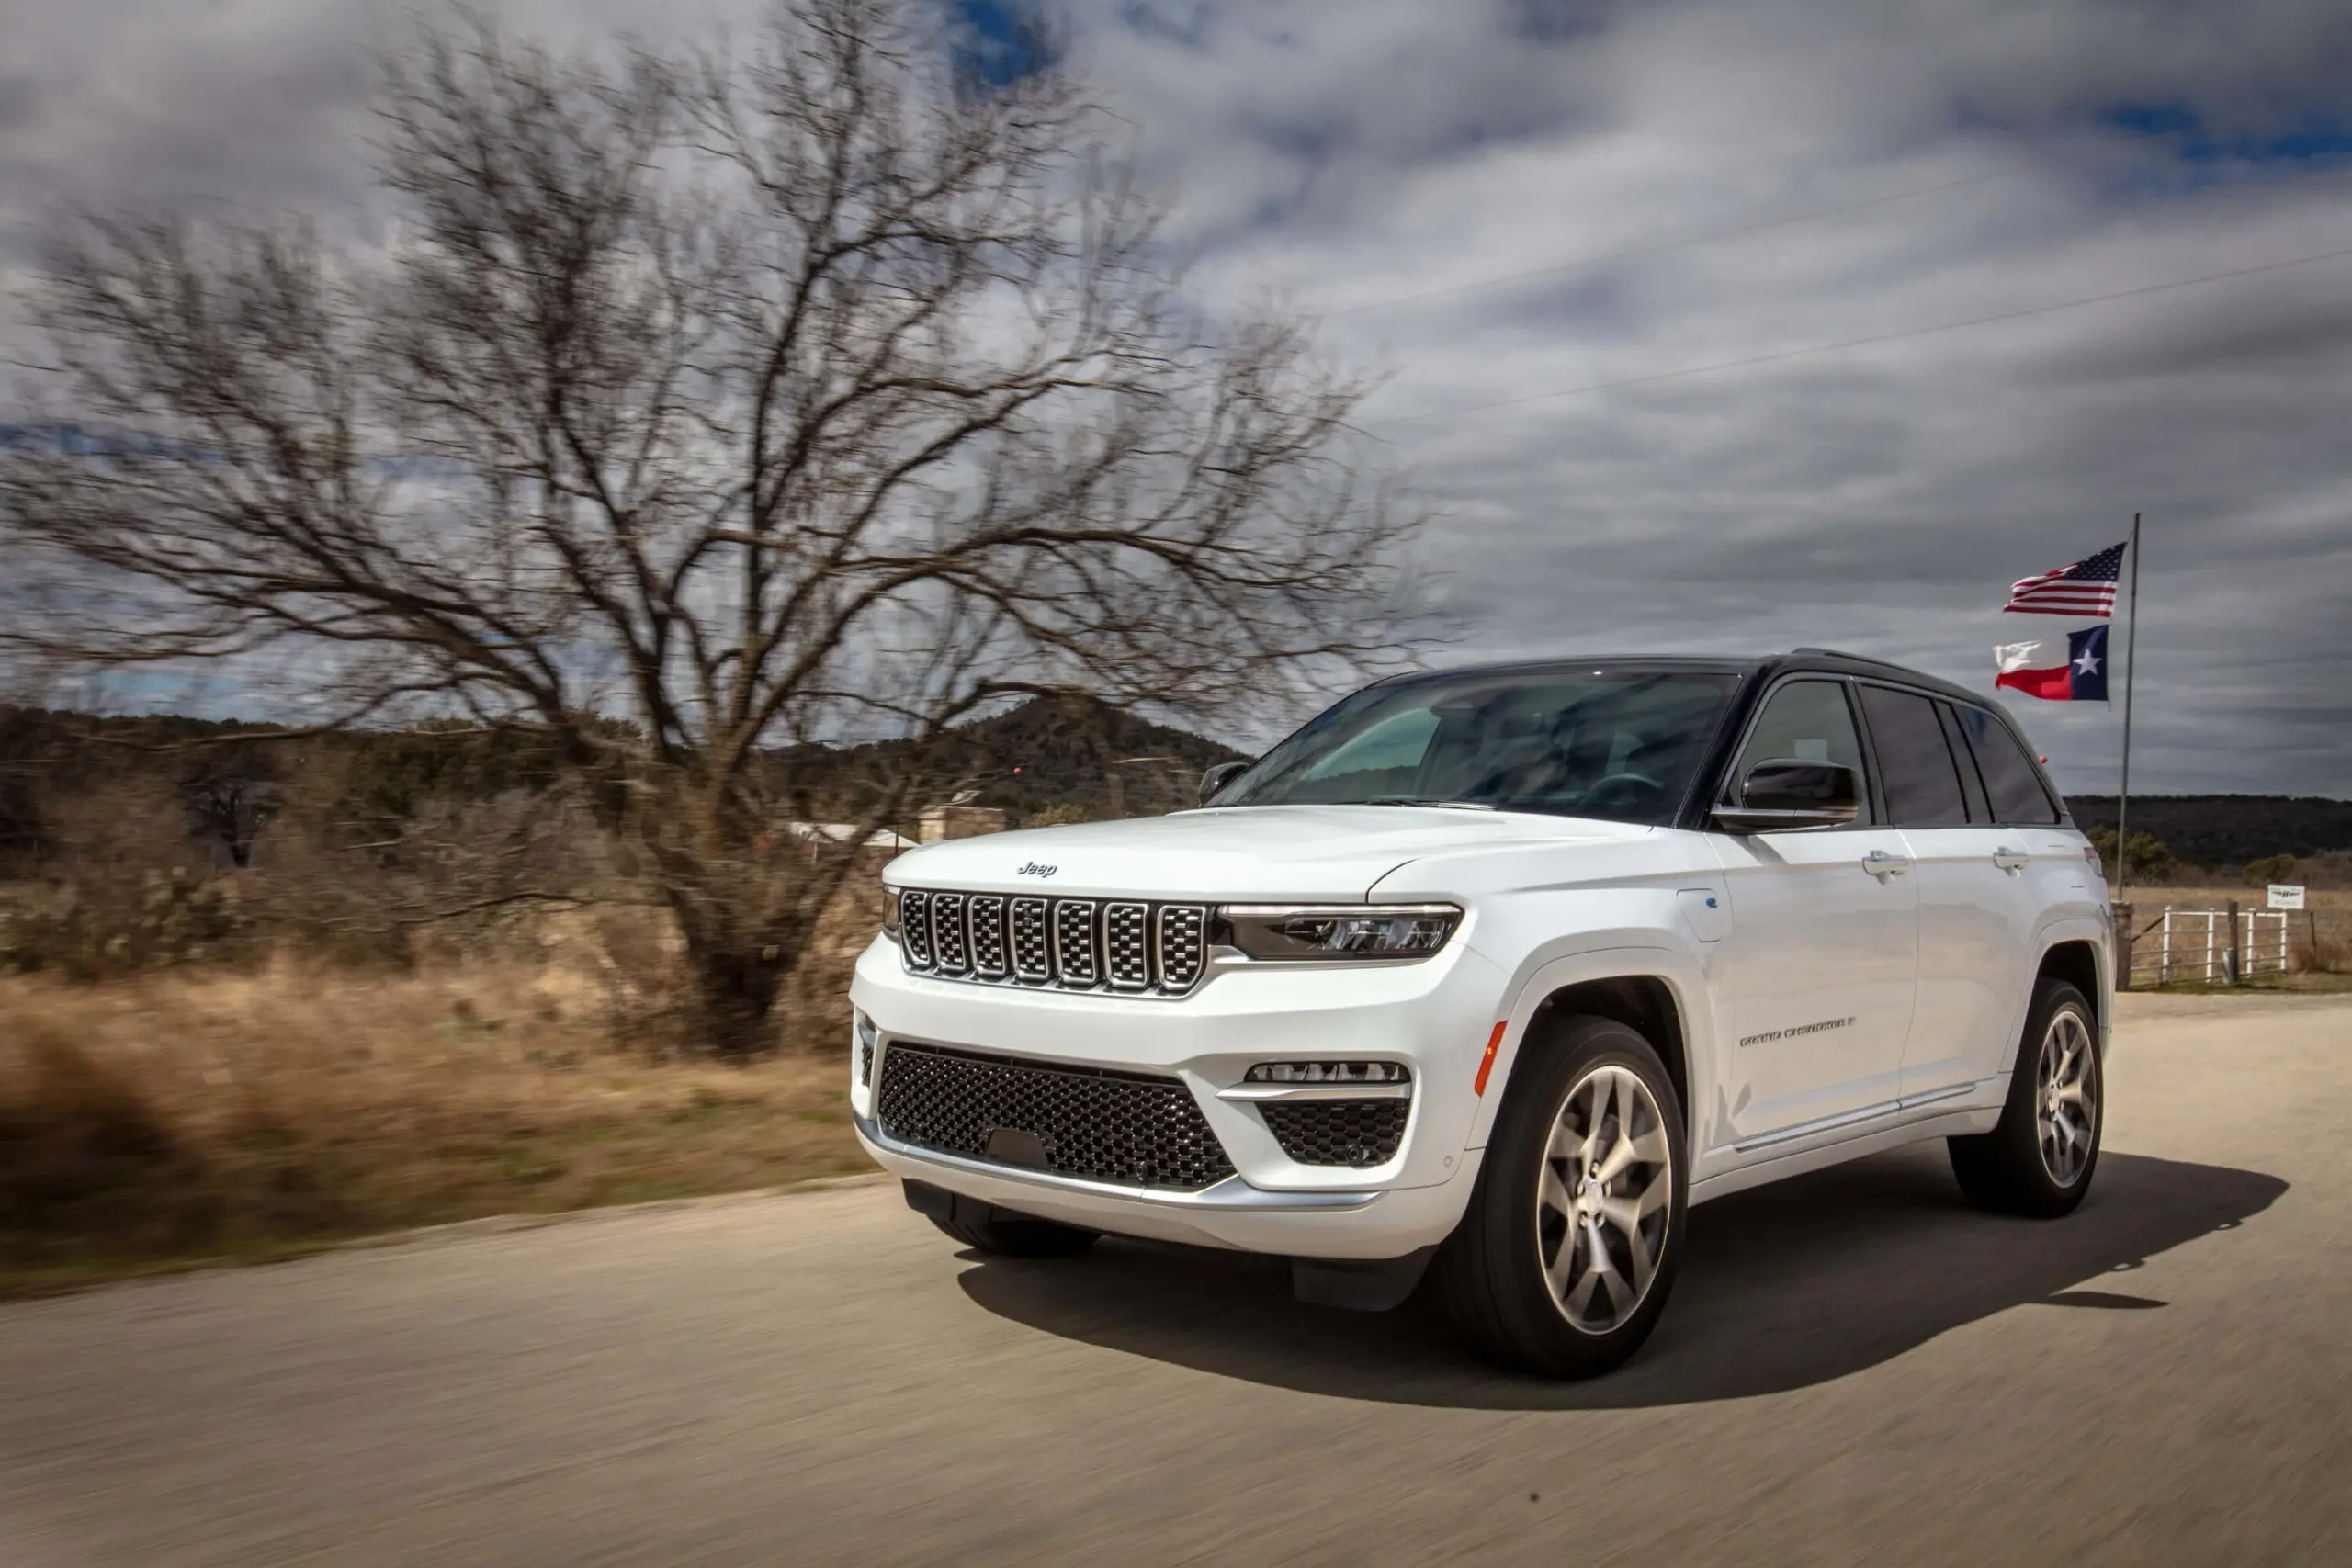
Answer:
(1841, 653)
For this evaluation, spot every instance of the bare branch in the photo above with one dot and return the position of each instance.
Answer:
(799, 393)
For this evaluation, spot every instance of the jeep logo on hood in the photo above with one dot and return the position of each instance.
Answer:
(1034, 869)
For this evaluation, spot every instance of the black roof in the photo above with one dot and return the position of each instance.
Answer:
(1829, 660)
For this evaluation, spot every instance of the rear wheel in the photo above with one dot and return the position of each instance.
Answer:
(2038, 1159)
(1574, 1233)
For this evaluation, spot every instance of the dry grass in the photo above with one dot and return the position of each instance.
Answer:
(2319, 939)
(190, 1115)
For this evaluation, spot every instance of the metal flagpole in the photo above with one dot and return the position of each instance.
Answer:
(2130, 674)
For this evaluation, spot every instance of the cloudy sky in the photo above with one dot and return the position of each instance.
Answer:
(1707, 324)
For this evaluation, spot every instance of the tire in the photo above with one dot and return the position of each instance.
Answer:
(1494, 1276)
(1014, 1236)
(2038, 1159)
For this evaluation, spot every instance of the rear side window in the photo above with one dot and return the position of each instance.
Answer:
(2011, 778)
(1971, 784)
(1915, 763)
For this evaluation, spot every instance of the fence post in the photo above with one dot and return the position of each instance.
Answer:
(2232, 967)
(2163, 964)
(2123, 947)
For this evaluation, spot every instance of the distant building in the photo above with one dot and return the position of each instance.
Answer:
(882, 841)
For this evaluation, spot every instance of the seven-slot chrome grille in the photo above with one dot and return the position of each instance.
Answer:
(1072, 944)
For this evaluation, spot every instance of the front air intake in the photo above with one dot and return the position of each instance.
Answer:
(1132, 1129)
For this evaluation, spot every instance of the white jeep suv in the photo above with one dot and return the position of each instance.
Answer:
(1492, 973)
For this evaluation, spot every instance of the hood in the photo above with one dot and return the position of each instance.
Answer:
(1234, 853)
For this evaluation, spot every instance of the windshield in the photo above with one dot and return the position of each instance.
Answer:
(1619, 745)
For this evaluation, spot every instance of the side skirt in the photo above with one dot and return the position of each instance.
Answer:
(1948, 1124)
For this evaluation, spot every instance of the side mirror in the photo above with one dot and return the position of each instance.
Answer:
(1790, 792)
(1217, 777)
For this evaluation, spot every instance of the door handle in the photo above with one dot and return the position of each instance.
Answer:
(1877, 863)
(2010, 860)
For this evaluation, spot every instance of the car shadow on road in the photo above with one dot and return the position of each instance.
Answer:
(1785, 1286)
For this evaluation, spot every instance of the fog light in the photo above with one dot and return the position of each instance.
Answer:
(1328, 1072)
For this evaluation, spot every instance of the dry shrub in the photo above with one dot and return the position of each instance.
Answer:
(2311, 954)
(72, 1130)
(209, 1113)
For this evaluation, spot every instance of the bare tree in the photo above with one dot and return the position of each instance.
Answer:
(698, 408)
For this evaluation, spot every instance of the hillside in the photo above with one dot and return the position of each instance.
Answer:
(2229, 829)
(1069, 756)
(1068, 753)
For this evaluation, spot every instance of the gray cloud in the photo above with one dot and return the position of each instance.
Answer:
(1878, 499)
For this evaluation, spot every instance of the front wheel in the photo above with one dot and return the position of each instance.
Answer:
(1574, 1233)
(2039, 1158)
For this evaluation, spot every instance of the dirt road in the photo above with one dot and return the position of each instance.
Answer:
(1854, 1369)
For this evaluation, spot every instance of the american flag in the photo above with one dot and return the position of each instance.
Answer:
(2085, 588)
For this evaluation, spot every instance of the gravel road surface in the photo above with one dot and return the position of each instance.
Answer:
(1854, 1369)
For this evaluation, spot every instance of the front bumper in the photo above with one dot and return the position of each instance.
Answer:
(1433, 1016)
(1232, 1213)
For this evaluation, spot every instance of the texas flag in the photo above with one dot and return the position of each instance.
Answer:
(2070, 669)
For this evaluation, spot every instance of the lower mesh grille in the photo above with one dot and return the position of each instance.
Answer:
(1339, 1131)
(1129, 1128)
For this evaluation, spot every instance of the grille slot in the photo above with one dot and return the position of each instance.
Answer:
(1076, 962)
(1339, 1131)
(914, 927)
(1032, 958)
(1076, 944)
(988, 937)
(947, 934)
(1134, 1129)
(1178, 945)
(1127, 956)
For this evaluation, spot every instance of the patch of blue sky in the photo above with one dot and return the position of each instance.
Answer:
(1000, 43)
(2314, 138)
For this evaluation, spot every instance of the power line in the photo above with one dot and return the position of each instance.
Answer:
(1862, 341)
(1707, 237)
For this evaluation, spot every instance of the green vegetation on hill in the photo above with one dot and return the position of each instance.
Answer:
(2217, 830)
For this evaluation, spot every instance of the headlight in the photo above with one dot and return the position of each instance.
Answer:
(1321, 933)
(890, 911)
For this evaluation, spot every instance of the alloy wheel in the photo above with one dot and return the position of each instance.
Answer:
(1604, 1198)
(2065, 1098)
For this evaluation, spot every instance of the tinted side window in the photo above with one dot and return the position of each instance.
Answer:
(1808, 720)
(1971, 784)
(2010, 777)
(1915, 765)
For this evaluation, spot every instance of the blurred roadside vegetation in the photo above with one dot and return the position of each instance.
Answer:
(260, 992)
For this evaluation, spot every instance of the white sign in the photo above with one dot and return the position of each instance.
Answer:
(2286, 895)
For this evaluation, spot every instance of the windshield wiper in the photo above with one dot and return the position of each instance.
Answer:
(1422, 800)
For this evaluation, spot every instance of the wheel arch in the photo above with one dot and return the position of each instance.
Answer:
(1645, 1003)
(2077, 962)
(1636, 988)
(2072, 950)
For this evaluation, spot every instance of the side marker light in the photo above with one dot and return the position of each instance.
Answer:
(1486, 1062)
